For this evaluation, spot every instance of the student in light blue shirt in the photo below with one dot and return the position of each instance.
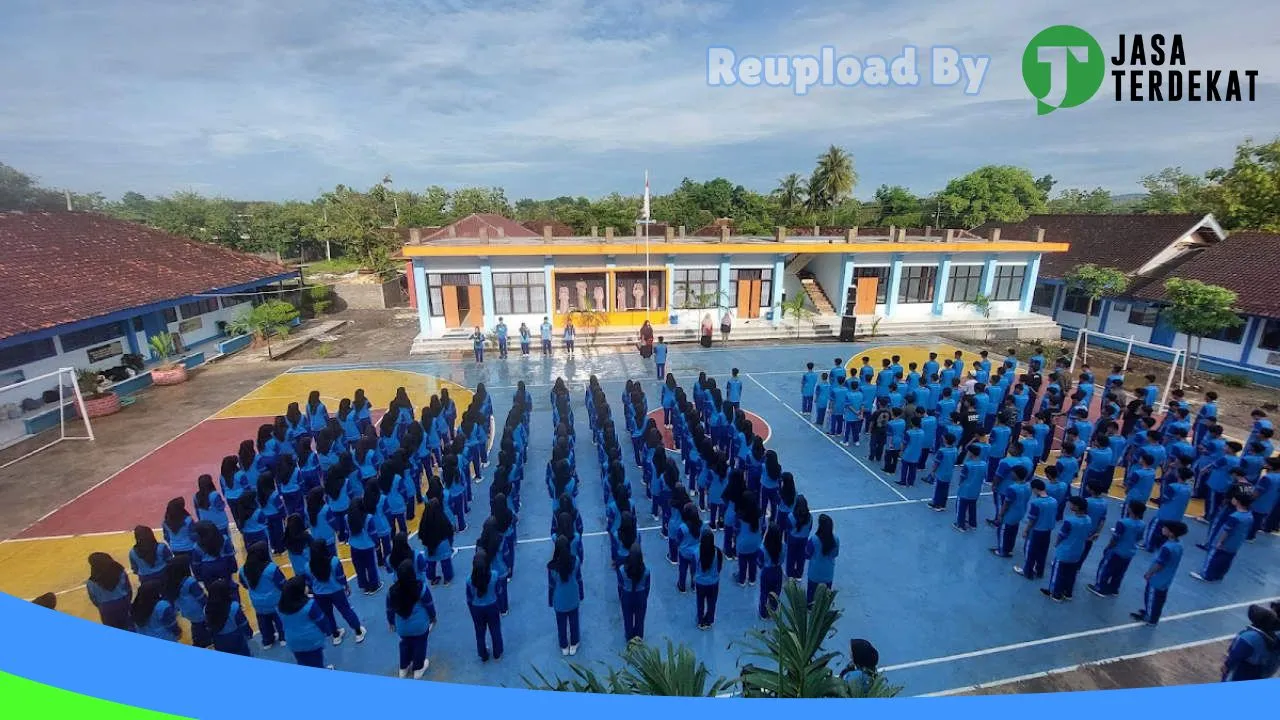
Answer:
(110, 591)
(821, 397)
(147, 557)
(733, 389)
(501, 331)
(1042, 513)
(1140, 481)
(482, 601)
(306, 624)
(772, 558)
(544, 331)
(1017, 496)
(411, 613)
(633, 593)
(912, 449)
(706, 578)
(1069, 552)
(837, 371)
(972, 475)
(821, 551)
(1160, 574)
(1252, 653)
(942, 470)
(153, 615)
(225, 620)
(855, 401)
(660, 352)
(839, 398)
(264, 580)
(565, 594)
(1120, 550)
(808, 384)
(178, 527)
(1226, 543)
(329, 585)
(930, 368)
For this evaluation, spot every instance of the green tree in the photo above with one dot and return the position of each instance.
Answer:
(1082, 202)
(646, 670)
(1247, 194)
(790, 194)
(134, 207)
(468, 200)
(1045, 184)
(895, 205)
(1095, 283)
(1197, 309)
(19, 191)
(832, 181)
(1173, 191)
(1002, 193)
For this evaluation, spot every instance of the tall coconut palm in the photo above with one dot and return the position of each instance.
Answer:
(790, 193)
(833, 179)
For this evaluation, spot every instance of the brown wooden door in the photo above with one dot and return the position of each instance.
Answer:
(452, 315)
(475, 298)
(867, 289)
(749, 298)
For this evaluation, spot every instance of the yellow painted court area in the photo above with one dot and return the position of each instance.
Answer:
(918, 354)
(379, 386)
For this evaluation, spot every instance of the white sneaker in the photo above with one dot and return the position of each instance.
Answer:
(573, 649)
(360, 635)
(417, 674)
(403, 672)
(266, 646)
(564, 651)
(337, 639)
(329, 667)
(282, 642)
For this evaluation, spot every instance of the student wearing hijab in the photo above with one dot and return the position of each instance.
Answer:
(289, 481)
(329, 585)
(482, 601)
(821, 551)
(234, 483)
(271, 505)
(401, 552)
(411, 613)
(225, 620)
(317, 414)
(771, 562)
(307, 625)
(153, 615)
(209, 503)
(148, 558)
(264, 580)
(364, 555)
(110, 591)
(633, 593)
(706, 578)
(1251, 655)
(187, 595)
(178, 527)
(214, 557)
(800, 526)
(565, 594)
(435, 532)
(861, 671)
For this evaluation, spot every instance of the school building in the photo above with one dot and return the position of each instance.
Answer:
(83, 289)
(1150, 249)
(482, 267)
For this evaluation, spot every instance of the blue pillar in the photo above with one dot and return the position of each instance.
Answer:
(725, 300)
(1058, 296)
(1104, 313)
(669, 285)
(422, 296)
(486, 293)
(989, 275)
(779, 268)
(940, 287)
(130, 336)
(1253, 325)
(1029, 285)
(895, 280)
(846, 279)
(547, 268)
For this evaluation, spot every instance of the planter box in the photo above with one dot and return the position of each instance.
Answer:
(108, 404)
(175, 375)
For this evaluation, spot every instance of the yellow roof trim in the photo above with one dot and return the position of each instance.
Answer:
(542, 249)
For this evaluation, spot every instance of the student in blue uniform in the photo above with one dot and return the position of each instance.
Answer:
(706, 578)
(178, 527)
(772, 557)
(565, 594)
(306, 624)
(209, 503)
(271, 508)
(1119, 551)
(264, 580)
(1159, 576)
(214, 557)
(1069, 551)
(633, 593)
(750, 533)
(153, 615)
(733, 390)
(1171, 507)
(1042, 515)
(912, 452)
(544, 334)
(110, 591)
(821, 397)
(821, 551)
(1226, 543)
(1217, 478)
(1013, 508)
(225, 620)
(482, 601)
(148, 558)
(800, 526)
(329, 585)
(861, 672)
(435, 532)
(660, 352)
(972, 474)
(1252, 653)
(942, 470)
(411, 613)
(808, 384)
(364, 555)
(1096, 505)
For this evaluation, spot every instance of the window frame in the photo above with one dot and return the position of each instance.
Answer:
(90, 336)
(1009, 282)
(511, 288)
(952, 295)
(921, 278)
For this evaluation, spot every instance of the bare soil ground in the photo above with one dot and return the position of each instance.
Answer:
(1189, 666)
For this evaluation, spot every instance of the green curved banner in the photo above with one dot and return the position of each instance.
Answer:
(26, 698)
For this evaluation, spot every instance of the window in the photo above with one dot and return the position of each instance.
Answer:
(1144, 314)
(1270, 336)
(1009, 281)
(137, 324)
(765, 276)
(881, 273)
(1043, 296)
(696, 288)
(233, 300)
(96, 335)
(1233, 335)
(1076, 302)
(198, 307)
(917, 284)
(519, 293)
(964, 283)
(29, 352)
(170, 315)
(435, 296)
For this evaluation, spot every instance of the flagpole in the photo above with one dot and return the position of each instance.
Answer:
(645, 219)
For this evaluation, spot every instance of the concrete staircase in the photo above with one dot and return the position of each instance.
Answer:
(817, 296)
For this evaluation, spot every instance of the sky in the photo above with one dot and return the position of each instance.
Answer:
(282, 99)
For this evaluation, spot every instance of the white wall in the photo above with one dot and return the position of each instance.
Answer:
(1118, 322)
(828, 270)
(1257, 355)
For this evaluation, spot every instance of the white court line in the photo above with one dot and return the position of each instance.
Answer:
(149, 453)
(1070, 636)
(828, 438)
(1081, 666)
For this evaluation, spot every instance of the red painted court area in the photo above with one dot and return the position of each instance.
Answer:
(758, 426)
(137, 495)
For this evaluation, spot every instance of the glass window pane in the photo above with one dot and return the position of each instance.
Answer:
(537, 299)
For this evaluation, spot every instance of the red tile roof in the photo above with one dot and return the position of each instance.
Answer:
(60, 268)
(1120, 241)
(1246, 262)
(558, 229)
(470, 226)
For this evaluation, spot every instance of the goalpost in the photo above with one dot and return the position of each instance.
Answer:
(28, 408)
(1177, 361)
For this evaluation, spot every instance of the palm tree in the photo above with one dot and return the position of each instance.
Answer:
(646, 671)
(790, 193)
(833, 179)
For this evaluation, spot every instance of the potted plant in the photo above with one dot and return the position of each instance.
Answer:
(99, 401)
(168, 372)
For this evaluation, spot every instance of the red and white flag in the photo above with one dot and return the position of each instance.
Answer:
(644, 215)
